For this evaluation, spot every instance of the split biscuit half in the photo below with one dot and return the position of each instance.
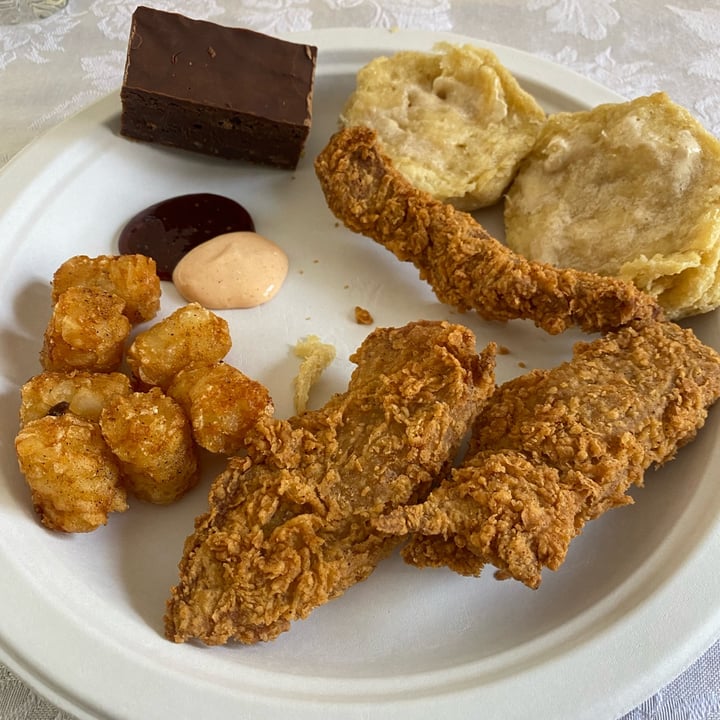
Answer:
(455, 121)
(630, 190)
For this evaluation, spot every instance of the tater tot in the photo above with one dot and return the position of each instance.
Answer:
(221, 402)
(87, 331)
(73, 476)
(150, 435)
(82, 393)
(133, 277)
(191, 334)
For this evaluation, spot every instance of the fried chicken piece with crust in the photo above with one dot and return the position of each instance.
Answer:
(464, 265)
(290, 526)
(553, 449)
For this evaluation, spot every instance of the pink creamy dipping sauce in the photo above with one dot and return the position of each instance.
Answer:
(233, 270)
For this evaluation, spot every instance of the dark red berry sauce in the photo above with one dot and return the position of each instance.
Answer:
(169, 229)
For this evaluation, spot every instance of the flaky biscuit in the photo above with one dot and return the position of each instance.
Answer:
(455, 122)
(629, 190)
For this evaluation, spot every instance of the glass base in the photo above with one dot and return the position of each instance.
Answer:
(14, 12)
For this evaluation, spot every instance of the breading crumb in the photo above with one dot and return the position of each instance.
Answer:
(316, 356)
(362, 316)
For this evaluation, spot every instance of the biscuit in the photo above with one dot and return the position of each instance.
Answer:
(630, 190)
(455, 122)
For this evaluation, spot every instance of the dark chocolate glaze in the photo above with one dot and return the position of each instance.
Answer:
(224, 91)
(169, 229)
(227, 67)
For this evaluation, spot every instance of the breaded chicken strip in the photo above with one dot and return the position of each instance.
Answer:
(465, 267)
(290, 526)
(555, 448)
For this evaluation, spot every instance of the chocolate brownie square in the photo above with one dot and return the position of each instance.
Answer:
(223, 91)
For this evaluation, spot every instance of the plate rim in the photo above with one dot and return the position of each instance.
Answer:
(344, 41)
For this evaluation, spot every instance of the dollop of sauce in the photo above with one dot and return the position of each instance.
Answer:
(170, 229)
(233, 270)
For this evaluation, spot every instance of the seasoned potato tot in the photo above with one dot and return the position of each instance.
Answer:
(221, 402)
(191, 334)
(87, 331)
(73, 476)
(82, 393)
(133, 277)
(151, 436)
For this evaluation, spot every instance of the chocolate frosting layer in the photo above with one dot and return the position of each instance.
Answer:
(232, 68)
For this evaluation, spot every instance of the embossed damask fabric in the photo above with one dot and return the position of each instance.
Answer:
(53, 69)
(631, 46)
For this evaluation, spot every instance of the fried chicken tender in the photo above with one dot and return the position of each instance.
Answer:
(150, 435)
(290, 526)
(190, 334)
(554, 449)
(222, 404)
(82, 393)
(465, 266)
(87, 331)
(133, 277)
(73, 477)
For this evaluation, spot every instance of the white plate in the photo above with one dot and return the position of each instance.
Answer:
(635, 602)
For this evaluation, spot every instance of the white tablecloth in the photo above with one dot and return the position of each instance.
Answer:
(52, 69)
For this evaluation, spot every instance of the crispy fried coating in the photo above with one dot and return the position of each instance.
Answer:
(222, 404)
(87, 331)
(555, 448)
(190, 334)
(150, 435)
(73, 476)
(290, 526)
(82, 393)
(132, 277)
(465, 266)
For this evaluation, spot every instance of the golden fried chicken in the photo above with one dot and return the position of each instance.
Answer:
(555, 448)
(290, 526)
(465, 266)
